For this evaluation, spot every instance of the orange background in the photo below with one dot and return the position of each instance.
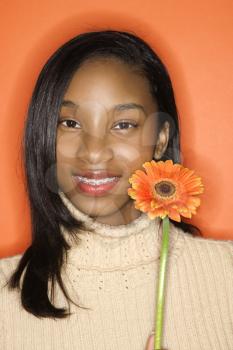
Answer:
(194, 39)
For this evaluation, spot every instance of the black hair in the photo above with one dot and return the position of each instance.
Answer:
(43, 259)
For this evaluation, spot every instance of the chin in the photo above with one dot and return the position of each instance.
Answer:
(100, 207)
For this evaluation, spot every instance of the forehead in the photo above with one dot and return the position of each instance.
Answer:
(109, 81)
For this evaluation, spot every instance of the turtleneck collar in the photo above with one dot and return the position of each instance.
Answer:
(105, 230)
(108, 247)
(142, 236)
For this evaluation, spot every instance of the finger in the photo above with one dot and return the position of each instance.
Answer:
(150, 343)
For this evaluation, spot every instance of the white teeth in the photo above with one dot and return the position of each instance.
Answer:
(96, 181)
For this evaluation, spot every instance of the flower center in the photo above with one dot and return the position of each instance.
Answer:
(165, 188)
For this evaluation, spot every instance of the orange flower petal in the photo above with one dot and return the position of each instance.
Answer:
(182, 202)
(174, 215)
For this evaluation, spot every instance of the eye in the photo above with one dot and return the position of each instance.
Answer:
(70, 123)
(125, 125)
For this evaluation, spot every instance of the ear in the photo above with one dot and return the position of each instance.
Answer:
(162, 141)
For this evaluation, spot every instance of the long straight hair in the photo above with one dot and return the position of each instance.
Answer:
(43, 259)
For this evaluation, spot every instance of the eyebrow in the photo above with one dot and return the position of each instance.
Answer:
(119, 107)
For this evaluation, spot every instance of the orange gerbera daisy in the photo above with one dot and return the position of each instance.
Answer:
(166, 189)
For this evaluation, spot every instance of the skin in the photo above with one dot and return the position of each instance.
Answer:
(150, 343)
(97, 139)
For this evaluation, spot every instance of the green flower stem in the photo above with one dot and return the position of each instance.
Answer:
(161, 285)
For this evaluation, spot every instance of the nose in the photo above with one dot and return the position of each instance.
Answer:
(95, 149)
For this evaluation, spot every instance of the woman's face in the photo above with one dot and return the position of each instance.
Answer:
(107, 123)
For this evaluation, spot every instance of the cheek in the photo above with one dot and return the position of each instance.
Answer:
(140, 146)
(149, 131)
(130, 157)
(65, 152)
(67, 146)
(126, 152)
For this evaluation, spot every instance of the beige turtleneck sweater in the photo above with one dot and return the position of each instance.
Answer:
(113, 271)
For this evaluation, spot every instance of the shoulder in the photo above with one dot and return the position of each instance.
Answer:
(7, 266)
(8, 296)
(9, 300)
(209, 251)
(217, 245)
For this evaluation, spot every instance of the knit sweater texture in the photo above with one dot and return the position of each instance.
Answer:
(113, 272)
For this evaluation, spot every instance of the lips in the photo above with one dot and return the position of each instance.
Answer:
(96, 174)
(98, 184)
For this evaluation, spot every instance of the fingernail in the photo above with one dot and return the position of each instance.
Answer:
(151, 341)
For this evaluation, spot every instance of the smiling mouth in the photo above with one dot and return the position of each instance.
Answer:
(96, 182)
(95, 187)
(96, 174)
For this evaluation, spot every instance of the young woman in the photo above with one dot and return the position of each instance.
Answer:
(102, 106)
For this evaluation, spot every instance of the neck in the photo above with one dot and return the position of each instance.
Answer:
(123, 216)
